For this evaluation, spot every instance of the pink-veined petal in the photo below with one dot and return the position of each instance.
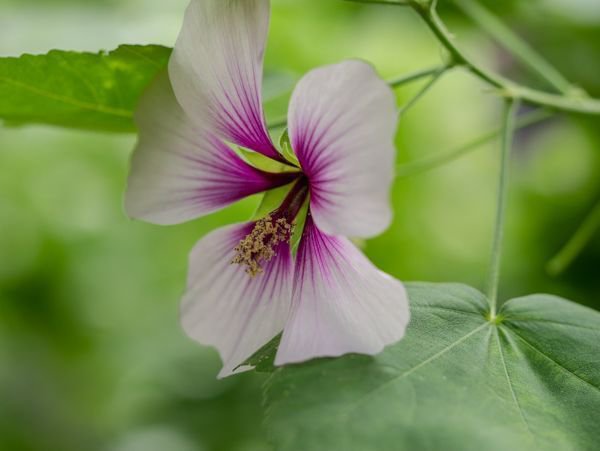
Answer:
(179, 171)
(225, 307)
(342, 122)
(341, 302)
(217, 66)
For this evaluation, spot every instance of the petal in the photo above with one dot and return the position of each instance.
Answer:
(179, 171)
(342, 122)
(226, 308)
(216, 69)
(341, 303)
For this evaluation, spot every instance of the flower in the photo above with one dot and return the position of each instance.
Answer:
(245, 285)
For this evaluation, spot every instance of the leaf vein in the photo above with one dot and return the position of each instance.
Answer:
(433, 307)
(568, 371)
(510, 386)
(418, 366)
(69, 101)
(559, 323)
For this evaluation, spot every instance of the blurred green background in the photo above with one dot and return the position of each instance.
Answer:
(91, 353)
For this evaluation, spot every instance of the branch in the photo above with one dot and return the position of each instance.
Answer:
(528, 56)
(438, 159)
(576, 244)
(505, 87)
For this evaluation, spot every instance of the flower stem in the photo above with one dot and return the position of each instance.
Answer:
(440, 158)
(508, 129)
(577, 243)
(506, 88)
(414, 76)
(489, 23)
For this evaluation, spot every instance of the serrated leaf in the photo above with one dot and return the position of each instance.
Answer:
(92, 91)
(528, 381)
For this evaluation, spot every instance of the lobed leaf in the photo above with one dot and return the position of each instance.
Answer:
(528, 380)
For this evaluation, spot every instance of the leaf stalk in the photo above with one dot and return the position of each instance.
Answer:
(508, 130)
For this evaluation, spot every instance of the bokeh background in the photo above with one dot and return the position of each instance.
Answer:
(91, 353)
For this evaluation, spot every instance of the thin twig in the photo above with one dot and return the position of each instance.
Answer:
(439, 158)
(582, 236)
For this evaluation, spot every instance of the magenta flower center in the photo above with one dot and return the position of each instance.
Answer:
(274, 230)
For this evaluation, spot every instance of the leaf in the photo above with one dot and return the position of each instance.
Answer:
(92, 91)
(263, 360)
(530, 380)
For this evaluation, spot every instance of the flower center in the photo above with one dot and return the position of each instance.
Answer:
(258, 247)
(275, 229)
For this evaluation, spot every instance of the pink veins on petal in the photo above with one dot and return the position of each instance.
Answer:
(245, 286)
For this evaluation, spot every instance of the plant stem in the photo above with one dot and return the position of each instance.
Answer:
(413, 76)
(394, 83)
(436, 76)
(438, 159)
(513, 43)
(576, 244)
(574, 101)
(508, 128)
(505, 87)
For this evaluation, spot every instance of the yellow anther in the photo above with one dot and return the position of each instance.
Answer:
(258, 247)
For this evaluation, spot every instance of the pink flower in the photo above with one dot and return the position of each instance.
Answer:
(245, 286)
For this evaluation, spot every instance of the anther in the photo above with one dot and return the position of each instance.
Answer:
(260, 245)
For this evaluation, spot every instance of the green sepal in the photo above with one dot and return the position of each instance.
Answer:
(286, 149)
(300, 222)
(259, 161)
(271, 200)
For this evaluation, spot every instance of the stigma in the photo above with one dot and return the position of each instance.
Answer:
(260, 245)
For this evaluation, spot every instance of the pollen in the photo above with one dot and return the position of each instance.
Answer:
(259, 246)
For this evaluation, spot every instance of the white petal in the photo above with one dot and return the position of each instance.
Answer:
(342, 122)
(179, 171)
(217, 65)
(225, 307)
(341, 303)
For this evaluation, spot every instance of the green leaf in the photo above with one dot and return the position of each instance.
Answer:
(263, 360)
(528, 380)
(92, 91)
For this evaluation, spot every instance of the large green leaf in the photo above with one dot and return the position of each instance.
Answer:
(528, 381)
(94, 91)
